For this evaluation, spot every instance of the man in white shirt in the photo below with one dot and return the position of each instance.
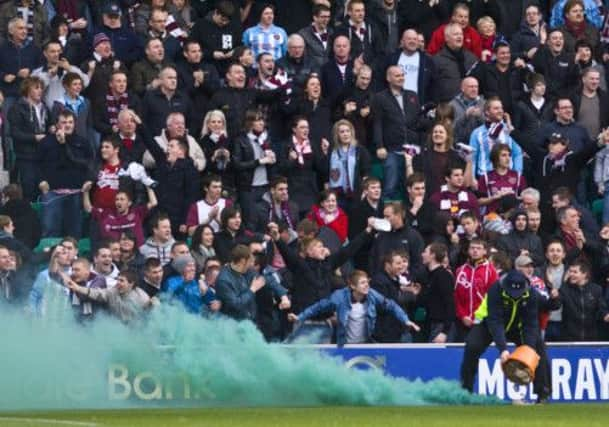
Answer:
(416, 64)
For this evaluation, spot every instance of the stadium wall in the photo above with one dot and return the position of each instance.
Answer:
(580, 372)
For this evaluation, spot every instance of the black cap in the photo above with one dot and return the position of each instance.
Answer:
(515, 284)
(112, 8)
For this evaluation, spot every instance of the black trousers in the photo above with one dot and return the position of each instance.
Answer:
(478, 341)
(248, 199)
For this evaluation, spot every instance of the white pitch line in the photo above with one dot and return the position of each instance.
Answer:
(48, 421)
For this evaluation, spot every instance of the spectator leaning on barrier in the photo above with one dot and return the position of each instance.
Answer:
(356, 308)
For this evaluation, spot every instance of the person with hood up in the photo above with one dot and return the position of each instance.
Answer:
(521, 241)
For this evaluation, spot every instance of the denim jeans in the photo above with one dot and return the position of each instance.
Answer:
(61, 215)
(394, 175)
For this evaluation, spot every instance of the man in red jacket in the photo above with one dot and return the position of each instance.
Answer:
(471, 38)
(471, 284)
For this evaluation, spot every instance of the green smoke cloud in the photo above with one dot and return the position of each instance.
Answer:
(177, 359)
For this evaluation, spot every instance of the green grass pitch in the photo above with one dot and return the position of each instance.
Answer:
(552, 415)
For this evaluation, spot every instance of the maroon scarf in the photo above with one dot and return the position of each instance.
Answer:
(68, 9)
(284, 207)
(115, 105)
(576, 29)
(569, 239)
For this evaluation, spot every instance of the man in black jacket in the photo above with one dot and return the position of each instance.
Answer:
(396, 122)
(417, 65)
(366, 40)
(314, 266)
(438, 297)
(520, 240)
(393, 285)
(165, 99)
(500, 78)
(276, 207)
(235, 99)
(401, 237)
(452, 63)
(557, 66)
(296, 64)
(420, 214)
(338, 72)
(64, 161)
(508, 312)
(371, 205)
(178, 180)
(198, 79)
(218, 35)
(583, 305)
(108, 106)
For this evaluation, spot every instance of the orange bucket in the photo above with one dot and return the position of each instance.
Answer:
(520, 367)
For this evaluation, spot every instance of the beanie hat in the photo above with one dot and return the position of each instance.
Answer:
(100, 38)
(179, 264)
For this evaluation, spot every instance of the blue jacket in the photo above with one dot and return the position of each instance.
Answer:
(125, 43)
(504, 315)
(593, 15)
(12, 59)
(481, 156)
(233, 290)
(189, 294)
(340, 301)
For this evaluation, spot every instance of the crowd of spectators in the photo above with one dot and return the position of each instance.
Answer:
(355, 171)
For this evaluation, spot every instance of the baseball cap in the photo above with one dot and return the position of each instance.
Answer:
(112, 8)
(515, 284)
(523, 261)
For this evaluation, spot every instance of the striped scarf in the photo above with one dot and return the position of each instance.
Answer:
(25, 11)
(173, 27)
(114, 106)
(302, 149)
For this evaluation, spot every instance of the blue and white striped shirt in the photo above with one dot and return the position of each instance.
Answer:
(273, 40)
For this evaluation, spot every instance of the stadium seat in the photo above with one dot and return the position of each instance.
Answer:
(47, 243)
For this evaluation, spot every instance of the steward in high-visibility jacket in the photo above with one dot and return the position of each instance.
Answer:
(508, 312)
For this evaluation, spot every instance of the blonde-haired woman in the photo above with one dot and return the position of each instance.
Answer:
(217, 147)
(349, 164)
